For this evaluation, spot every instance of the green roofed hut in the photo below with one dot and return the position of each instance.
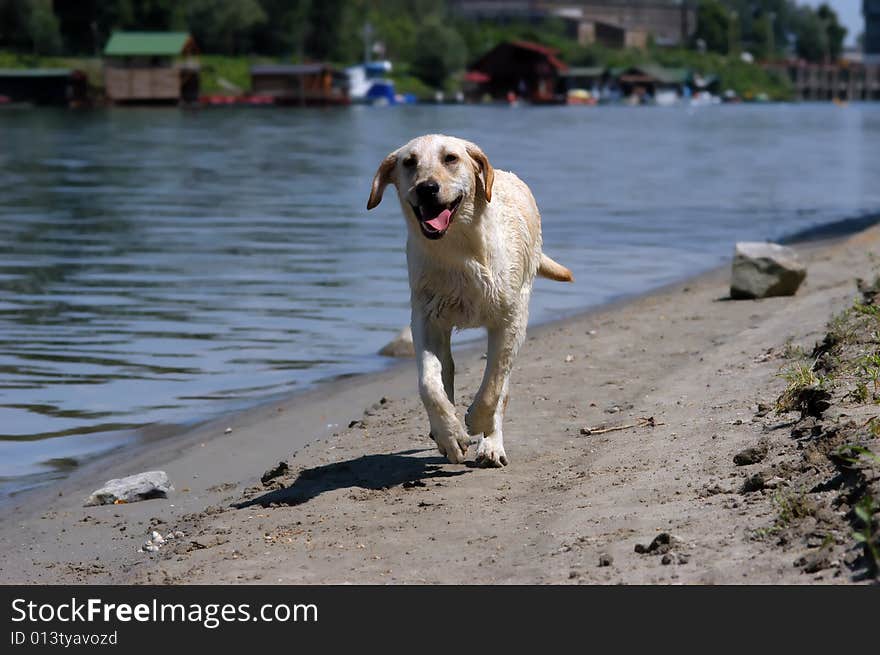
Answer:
(651, 83)
(151, 68)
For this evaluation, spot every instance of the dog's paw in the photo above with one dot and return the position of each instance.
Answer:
(453, 448)
(490, 453)
(479, 419)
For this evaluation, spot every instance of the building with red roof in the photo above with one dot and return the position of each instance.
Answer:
(517, 68)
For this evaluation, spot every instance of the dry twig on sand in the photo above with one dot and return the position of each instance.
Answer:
(644, 422)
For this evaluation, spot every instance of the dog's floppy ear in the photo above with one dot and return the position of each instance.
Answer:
(384, 177)
(484, 167)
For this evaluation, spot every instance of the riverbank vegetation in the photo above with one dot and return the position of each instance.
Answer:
(836, 390)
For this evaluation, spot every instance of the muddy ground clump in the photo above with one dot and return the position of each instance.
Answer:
(830, 501)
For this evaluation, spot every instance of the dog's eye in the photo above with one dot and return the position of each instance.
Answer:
(409, 162)
(450, 158)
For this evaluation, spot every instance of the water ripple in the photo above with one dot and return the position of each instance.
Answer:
(157, 266)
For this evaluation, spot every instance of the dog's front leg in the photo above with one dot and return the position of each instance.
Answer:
(434, 358)
(486, 414)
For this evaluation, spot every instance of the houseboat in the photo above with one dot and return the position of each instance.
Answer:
(300, 84)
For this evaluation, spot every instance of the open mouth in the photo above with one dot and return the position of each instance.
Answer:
(435, 219)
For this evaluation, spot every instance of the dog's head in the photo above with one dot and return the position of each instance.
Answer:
(439, 179)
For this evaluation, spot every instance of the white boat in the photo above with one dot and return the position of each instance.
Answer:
(666, 97)
(367, 83)
(704, 99)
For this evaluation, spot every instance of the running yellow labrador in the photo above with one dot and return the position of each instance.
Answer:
(473, 250)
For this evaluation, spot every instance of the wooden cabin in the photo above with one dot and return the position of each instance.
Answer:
(583, 77)
(300, 84)
(43, 86)
(151, 68)
(518, 69)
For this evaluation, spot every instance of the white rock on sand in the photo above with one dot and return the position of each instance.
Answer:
(142, 486)
(401, 345)
(761, 270)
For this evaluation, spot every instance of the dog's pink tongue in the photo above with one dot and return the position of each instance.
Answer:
(441, 221)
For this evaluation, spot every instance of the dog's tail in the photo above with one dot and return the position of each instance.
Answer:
(554, 270)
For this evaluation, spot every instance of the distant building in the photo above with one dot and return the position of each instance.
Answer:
(517, 68)
(839, 81)
(667, 22)
(43, 86)
(301, 84)
(151, 67)
(606, 34)
(871, 10)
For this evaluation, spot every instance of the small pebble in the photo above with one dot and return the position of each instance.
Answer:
(752, 455)
(773, 482)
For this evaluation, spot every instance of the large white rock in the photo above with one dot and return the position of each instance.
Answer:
(142, 486)
(401, 345)
(761, 270)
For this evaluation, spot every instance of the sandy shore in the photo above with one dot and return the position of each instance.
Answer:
(374, 503)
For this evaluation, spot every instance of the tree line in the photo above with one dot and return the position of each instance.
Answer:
(422, 36)
(768, 28)
(418, 33)
(326, 29)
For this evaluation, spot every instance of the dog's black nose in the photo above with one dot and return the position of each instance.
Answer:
(427, 190)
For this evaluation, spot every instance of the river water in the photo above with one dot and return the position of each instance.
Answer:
(160, 266)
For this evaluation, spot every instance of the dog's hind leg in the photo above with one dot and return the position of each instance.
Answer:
(434, 359)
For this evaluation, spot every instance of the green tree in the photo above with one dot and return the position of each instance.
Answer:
(761, 41)
(835, 32)
(326, 20)
(285, 30)
(713, 25)
(29, 25)
(765, 24)
(441, 52)
(812, 39)
(224, 26)
(12, 33)
(42, 27)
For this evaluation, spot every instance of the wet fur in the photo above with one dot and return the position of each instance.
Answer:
(479, 274)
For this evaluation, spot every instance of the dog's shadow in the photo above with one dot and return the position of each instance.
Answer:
(373, 472)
